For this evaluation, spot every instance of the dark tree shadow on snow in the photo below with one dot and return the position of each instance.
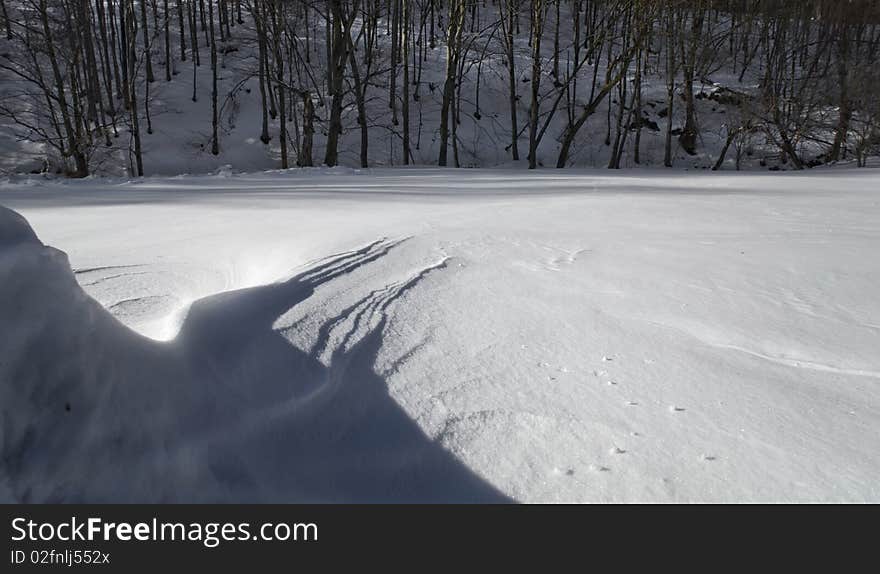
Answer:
(310, 431)
(230, 411)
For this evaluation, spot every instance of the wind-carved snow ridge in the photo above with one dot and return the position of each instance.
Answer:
(230, 410)
(803, 364)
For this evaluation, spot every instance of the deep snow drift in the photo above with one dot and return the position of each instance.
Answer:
(442, 335)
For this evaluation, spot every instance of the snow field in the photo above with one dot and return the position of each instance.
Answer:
(326, 335)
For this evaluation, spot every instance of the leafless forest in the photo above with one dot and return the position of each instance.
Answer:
(796, 78)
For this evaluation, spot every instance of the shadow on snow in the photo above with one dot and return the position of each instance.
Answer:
(229, 411)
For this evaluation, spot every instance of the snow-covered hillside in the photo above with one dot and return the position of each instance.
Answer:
(434, 335)
(760, 85)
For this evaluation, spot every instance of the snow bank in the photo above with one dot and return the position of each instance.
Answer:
(229, 411)
(61, 379)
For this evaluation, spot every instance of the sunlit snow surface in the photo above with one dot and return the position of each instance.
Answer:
(544, 336)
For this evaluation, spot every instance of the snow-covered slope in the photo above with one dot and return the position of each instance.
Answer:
(443, 335)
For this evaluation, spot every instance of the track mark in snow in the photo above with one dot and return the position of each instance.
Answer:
(564, 260)
(800, 364)
(105, 268)
(796, 363)
(409, 354)
(135, 305)
(109, 277)
(456, 427)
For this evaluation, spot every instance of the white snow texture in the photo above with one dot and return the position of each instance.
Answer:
(438, 335)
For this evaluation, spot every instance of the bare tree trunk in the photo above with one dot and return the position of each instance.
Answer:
(556, 46)
(146, 33)
(453, 45)
(637, 109)
(360, 96)
(845, 113)
(105, 57)
(689, 134)
(260, 24)
(671, 66)
(73, 144)
(305, 150)
(406, 42)
(278, 29)
(215, 142)
(338, 57)
(194, 36)
(511, 76)
(620, 64)
(537, 33)
(167, 42)
(731, 135)
(118, 78)
(395, 49)
(132, 86)
(182, 26)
